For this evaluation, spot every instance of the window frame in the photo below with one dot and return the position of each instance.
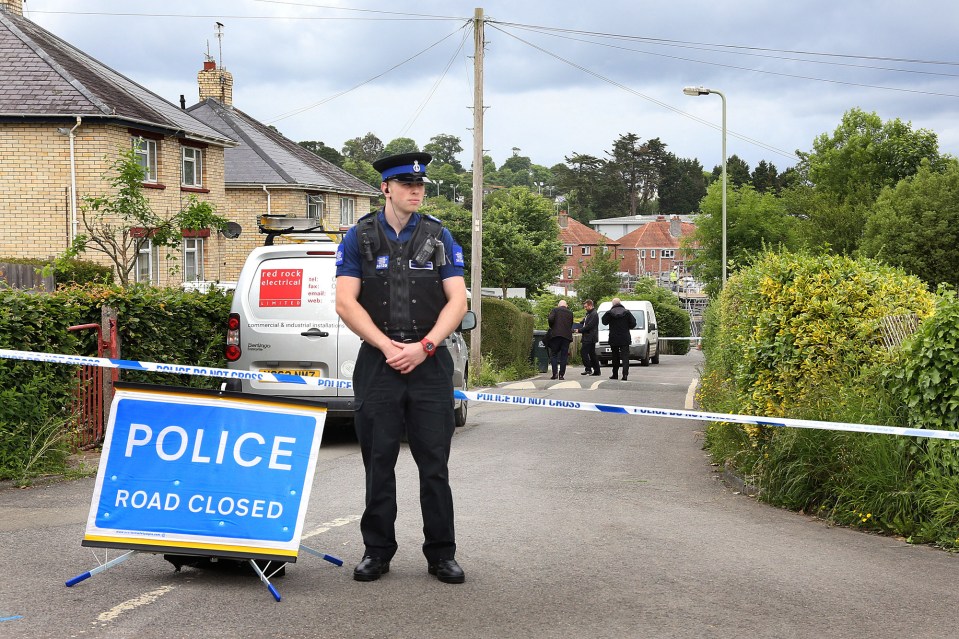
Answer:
(193, 259)
(347, 211)
(147, 151)
(568, 249)
(315, 202)
(150, 253)
(197, 162)
(586, 250)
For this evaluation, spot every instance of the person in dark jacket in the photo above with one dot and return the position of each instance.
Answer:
(560, 322)
(620, 322)
(590, 332)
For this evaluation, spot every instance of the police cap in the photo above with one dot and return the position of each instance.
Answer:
(404, 167)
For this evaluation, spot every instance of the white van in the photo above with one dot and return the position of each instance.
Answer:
(283, 320)
(645, 342)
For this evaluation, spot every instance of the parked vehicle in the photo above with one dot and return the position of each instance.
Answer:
(283, 320)
(645, 336)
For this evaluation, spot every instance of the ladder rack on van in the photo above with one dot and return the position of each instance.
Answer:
(297, 229)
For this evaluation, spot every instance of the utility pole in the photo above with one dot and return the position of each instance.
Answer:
(476, 255)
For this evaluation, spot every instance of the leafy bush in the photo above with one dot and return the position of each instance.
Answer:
(792, 327)
(507, 334)
(673, 319)
(82, 272)
(799, 336)
(163, 325)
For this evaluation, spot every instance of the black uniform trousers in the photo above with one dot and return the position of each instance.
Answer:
(419, 403)
(588, 353)
(620, 357)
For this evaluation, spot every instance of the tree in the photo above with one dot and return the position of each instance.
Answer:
(521, 246)
(444, 149)
(120, 223)
(639, 168)
(823, 223)
(598, 278)
(368, 148)
(765, 177)
(683, 185)
(327, 153)
(753, 221)
(400, 145)
(363, 170)
(583, 179)
(864, 154)
(737, 171)
(915, 225)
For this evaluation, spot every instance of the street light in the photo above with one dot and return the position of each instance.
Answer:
(540, 185)
(697, 91)
(454, 191)
(438, 183)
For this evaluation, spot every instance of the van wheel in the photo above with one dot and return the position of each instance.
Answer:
(459, 413)
(655, 359)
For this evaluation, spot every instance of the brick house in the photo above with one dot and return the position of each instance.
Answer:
(580, 242)
(269, 173)
(63, 118)
(654, 249)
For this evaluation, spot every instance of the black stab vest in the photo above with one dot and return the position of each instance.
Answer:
(403, 298)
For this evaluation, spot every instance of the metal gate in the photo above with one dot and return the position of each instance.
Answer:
(90, 403)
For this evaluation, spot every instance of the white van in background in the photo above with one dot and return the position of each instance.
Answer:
(283, 320)
(645, 337)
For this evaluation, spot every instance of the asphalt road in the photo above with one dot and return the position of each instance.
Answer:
(570, 524)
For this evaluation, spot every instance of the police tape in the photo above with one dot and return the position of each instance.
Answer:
(482, 396)
(176, 369)
(781, 422)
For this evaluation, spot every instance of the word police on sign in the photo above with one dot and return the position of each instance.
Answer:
(203, 472)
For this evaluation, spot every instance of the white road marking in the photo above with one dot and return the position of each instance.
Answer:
(131, 604)
(519, 386)
(339, 521)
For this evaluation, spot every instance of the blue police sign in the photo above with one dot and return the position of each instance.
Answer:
(191, 471)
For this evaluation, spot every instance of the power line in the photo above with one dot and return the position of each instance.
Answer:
(435, 86)
(766, 72)
(283, 116)
(552, 32)
(740, 136)
(728, 46)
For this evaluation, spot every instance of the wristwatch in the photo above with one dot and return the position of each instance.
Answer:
(428, 346)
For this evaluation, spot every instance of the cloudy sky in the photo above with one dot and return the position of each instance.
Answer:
(561, 76)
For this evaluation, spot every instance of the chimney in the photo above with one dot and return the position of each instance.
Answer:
(675, 226)
(12, 6)
(215, 83)
(563, 219)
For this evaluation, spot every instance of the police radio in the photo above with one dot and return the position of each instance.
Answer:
(431, 247)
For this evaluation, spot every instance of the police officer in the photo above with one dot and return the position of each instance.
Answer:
(400, 287)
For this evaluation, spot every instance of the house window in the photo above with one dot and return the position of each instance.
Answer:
(569, 249)
(146, 153)
(642, 253)
(347, 211)
(569, 273)
(192, 167)
(192, 259)
(314, 207)
(585, 250)
(147, 266)
(652, 253)
(667, 253)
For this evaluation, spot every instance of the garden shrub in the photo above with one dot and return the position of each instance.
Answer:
(507, 334)
(154, 324)
(800, 336)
